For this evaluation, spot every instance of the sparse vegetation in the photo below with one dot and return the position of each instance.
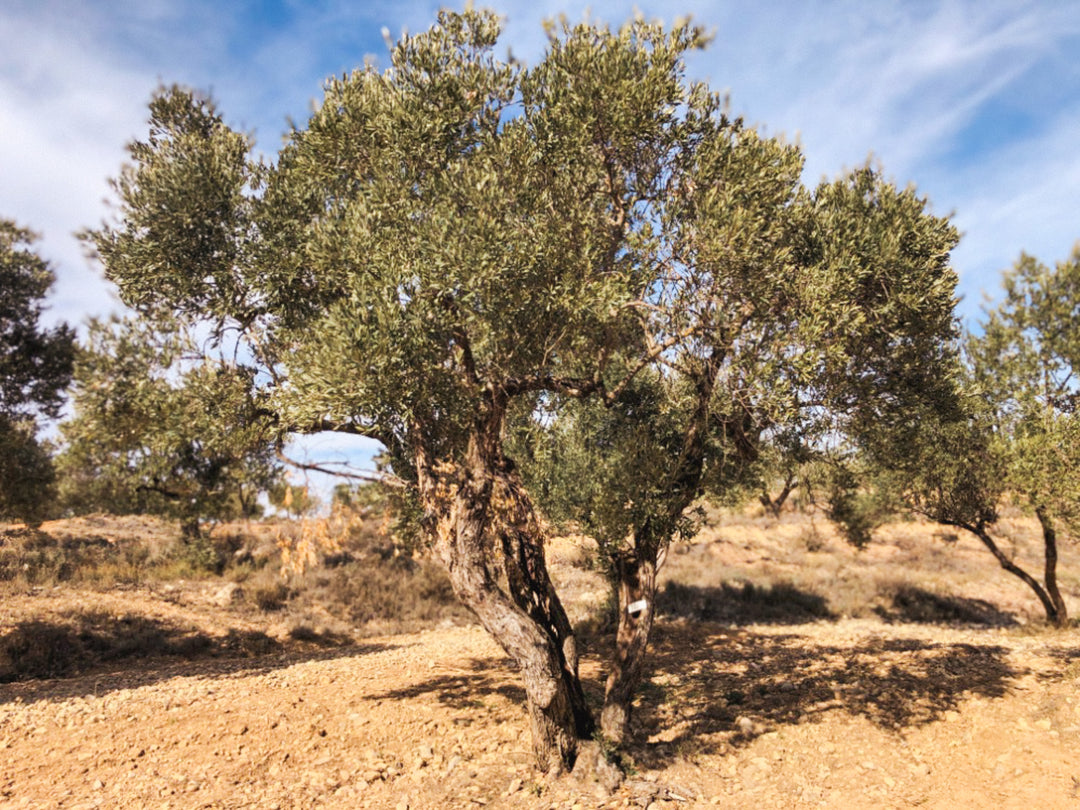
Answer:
(367, 587)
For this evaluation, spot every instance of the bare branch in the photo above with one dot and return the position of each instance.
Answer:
(327, 469)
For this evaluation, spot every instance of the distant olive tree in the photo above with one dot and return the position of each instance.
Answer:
(156, 430)
(35, 367)
(1014, 435)
(296, 500)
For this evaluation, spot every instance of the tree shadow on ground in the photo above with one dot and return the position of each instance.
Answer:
(1068, 664)
(915, 605)
(466, 689)
(742, 603)
(93, 644)
(701, 680)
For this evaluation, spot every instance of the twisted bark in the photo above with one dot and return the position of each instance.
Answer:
(1049, 596)
(485, 525)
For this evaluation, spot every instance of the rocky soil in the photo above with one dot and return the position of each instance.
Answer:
(785, 712)
(852, 713)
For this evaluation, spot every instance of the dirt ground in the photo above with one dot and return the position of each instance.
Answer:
(758, 709)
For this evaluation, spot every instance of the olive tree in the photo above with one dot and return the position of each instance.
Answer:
(158, 428)
(35, 366)
(459, 237)
(1016, 435)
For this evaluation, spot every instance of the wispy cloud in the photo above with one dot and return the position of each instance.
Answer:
(65, 113)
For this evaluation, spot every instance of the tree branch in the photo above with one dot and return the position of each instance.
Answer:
(379, 478)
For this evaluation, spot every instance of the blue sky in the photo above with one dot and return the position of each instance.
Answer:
(976, 102)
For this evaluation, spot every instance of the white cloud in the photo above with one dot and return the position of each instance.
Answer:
(65, 114)
(1027, 199)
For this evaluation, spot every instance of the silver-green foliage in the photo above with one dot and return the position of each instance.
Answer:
(823, 322)
(157, 429)
(452, 226)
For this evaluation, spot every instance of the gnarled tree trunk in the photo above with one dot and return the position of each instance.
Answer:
(776, 505)
(1049, 596)
(484, 525)
(1060, 615)
(531, 587)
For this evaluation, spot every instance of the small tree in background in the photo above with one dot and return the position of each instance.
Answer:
(1025, 366)
(35, 367)
(153, 431)
(295, 499)
(1014, 435)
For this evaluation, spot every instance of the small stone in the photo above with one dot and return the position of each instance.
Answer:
(514, 786)
(98, 784)
(228, 594)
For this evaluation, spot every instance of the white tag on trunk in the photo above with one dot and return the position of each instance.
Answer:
(636, 607)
